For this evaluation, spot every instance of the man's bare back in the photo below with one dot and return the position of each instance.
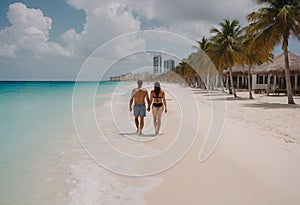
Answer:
(139, 95)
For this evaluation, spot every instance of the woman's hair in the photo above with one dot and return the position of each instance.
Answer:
(156, 91)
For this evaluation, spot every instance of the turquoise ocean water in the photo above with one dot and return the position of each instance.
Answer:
(35, 124)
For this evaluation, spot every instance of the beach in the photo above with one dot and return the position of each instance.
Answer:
(256, 161)
(92, 155)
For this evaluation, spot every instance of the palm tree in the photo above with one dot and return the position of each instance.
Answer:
(201, 61)
(203, 44)
(226, 45)
(215, 54)
(191, 67)
(274, 24)
(184, 70)
(253, 55)
(211, 61)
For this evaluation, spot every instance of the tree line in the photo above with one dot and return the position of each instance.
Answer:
(232, 45)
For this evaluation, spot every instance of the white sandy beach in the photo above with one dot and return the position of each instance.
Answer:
(256, 162)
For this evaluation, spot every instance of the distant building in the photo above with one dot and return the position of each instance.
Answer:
(124, 77)
(157, 64)
(133, 76)
(169, 64)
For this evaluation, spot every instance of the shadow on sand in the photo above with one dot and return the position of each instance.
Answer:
(214, 94)
(237, 98)
(134, 133)
(128, 133)
(272, 106)
(148, 135)
(231, 98)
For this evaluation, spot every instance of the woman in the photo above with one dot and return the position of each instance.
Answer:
(157, 96)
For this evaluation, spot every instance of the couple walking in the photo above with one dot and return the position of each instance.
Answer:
(157, 99)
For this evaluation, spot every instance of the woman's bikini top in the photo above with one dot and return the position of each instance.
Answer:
(156, 97)
(157, 104)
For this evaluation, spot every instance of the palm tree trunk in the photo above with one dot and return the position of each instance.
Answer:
(213, 81)
(221, 80)
(208, 80)
(199, 81)
(231, 81)
(287, 71)
(249, 83)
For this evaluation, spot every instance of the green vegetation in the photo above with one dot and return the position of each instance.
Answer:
(231, 45)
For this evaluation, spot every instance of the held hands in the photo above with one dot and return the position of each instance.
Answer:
(148, 109)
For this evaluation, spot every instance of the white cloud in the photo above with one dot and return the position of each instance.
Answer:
(72, 39)
(173, 11)
(28, 34)
(192, 18)
(105, 20)
(8, 50)
(192, 30)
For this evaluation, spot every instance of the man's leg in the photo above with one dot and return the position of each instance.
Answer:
(141, 124)
(136, 120)
(142, 115)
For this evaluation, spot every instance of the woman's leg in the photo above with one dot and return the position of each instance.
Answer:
(154, 113)
(159, 114)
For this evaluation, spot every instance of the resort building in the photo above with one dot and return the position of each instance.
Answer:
(240, 77)
(268, 77)
(168, 64)
(157, 64)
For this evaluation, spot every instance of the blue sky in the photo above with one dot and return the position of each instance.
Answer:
(51, 40)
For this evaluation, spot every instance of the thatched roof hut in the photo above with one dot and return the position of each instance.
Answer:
(237, 70)
(278, 65)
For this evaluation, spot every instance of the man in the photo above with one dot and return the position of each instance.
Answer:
(138, 95)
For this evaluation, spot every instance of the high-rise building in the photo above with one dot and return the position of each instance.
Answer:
(169, 64)
(157, 64)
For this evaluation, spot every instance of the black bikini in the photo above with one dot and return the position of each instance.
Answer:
(156, 104)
